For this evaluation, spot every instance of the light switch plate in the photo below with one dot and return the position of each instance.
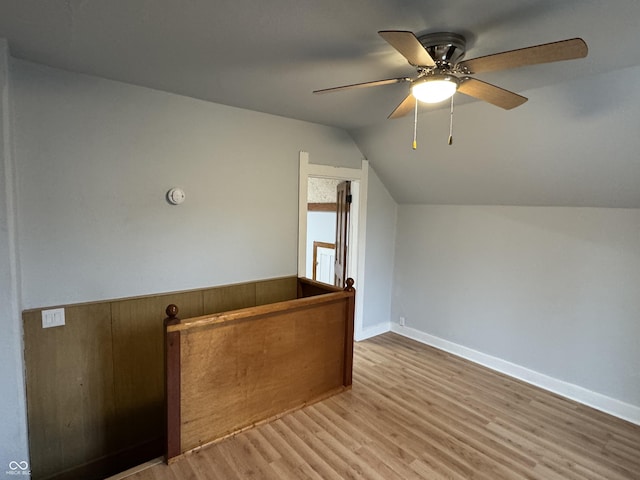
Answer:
(53, 318)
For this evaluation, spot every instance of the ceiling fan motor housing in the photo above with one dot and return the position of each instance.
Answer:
(445, 48)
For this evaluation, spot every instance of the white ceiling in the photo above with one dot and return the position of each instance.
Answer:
(269, 56)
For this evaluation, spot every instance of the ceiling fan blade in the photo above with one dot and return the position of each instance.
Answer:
(405, 107)
(409, 46)
(490, 93)
(546, 53)
(364, 85)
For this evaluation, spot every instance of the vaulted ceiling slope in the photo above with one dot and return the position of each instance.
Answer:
(573, 143)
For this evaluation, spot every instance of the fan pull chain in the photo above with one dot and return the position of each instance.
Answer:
(415, 126)
(451, 123)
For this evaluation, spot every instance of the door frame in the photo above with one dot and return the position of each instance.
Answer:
(357, 228)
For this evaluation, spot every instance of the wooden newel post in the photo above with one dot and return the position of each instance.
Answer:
(172, 315)
(348, 339)
(349, 285)
(172, 384)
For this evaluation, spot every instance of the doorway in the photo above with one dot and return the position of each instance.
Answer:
(321, 227)
(357, 223)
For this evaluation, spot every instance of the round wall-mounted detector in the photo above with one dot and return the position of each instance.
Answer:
(175, 196)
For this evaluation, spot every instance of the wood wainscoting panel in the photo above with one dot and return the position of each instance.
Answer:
(138, 351)
(227, 298)
(256, 369)
(276, 290)
(95, 387)
(69, 376)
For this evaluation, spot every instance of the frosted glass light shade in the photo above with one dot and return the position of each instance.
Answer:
(435, 88)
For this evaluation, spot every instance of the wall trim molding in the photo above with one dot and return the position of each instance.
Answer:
(373, 331)
(358, 228)
(322, 207)
(14, 437)
(617, 408)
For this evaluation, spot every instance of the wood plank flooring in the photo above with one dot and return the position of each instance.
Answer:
(419, 413)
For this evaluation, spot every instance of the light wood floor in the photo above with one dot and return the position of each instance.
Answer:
(417, 412)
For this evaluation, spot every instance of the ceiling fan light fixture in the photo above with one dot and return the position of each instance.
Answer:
(435, 88)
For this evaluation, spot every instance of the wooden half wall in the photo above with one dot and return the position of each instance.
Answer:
(230, 371)
(95, 387)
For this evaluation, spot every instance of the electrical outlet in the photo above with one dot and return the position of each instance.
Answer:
(401, 321)
(53, 318)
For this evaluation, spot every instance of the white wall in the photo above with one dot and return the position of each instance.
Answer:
(13, 430)
(95, 159)
(381, 232)
(554, 290)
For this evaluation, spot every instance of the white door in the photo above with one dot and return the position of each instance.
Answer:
(325, 264)
(324, 255)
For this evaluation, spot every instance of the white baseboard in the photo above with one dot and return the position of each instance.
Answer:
(369, 332)
(625, 411)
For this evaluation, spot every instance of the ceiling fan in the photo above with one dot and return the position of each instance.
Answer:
(441, 72)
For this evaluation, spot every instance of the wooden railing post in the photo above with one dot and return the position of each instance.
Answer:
(348, 340)
(173, 447)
